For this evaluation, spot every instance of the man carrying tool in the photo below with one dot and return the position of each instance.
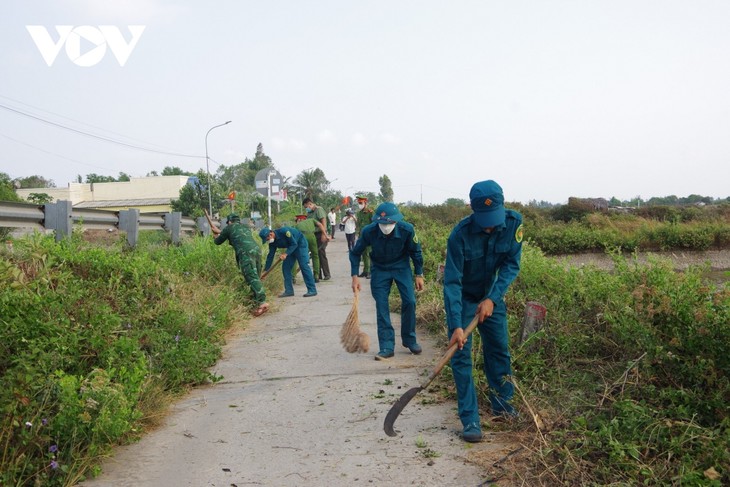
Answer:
(317, 213)
(297, 250)
(364, 218)
(482, 259)
(248, 256)
(394, 245)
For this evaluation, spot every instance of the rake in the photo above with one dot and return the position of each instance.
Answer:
(352, 338)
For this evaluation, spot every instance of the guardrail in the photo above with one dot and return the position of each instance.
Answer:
(61, 218)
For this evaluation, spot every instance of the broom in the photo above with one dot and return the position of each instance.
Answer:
(352, 338)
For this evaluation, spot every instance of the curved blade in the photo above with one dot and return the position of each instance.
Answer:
(396, 409)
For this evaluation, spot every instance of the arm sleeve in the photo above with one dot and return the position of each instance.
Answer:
(292, 244)
(414, 250)
(360, 246)
(506, 272)
(453, 274)
(223, 236)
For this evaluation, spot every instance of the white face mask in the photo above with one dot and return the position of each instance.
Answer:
(271, 240)
(360, 205)
(386, 228)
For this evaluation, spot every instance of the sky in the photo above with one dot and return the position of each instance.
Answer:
(551, 99)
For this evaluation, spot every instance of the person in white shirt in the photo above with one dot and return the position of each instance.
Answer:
(332, 217)
(350, 223)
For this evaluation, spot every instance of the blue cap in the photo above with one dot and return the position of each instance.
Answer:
(487, 203)
(387, 213)
(264, 233)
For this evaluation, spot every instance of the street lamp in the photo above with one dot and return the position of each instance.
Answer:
(207, 169)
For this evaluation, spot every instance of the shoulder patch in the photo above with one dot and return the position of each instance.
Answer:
(518, 234)
(288, 233)
(415, 239)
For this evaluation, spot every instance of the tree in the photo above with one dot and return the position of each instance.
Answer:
(123, 177)
(175, 171)
(194, 197)
(456, 202)
(97, 178)
(386, 188)
(39, 198)
(35, 182)
(311, 183)
(7, 189)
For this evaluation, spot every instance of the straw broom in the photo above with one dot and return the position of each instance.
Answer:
(352, 338)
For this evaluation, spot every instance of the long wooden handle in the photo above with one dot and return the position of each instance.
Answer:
(210, 222)
(449, 353)
(268, 271)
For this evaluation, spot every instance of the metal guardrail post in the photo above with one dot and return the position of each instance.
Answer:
(129, 222)
(173, 224)
(58, 217)
(203, 226)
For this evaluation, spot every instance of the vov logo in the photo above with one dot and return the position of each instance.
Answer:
(96, 38)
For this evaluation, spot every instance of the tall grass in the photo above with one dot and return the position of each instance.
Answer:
(631, 374)
(94, 339)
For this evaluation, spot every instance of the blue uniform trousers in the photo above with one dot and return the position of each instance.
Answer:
(497, 364)
(381, 280)
(300, 255)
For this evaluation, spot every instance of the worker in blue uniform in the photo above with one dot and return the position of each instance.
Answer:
(297, 250)
(482, 259)
(393, 245)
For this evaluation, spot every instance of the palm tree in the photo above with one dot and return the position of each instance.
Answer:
(311, 183)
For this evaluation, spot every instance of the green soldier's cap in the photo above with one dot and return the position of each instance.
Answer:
(487, 203)
(264, 233)
(361, 198)
(232, 218)
(387, 213)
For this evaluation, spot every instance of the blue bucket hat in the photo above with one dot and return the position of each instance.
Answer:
(487, 203)
(387, 213)
(264, 233)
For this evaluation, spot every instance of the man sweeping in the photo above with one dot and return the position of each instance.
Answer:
(248, 257)
(394, 244)
(296, 249)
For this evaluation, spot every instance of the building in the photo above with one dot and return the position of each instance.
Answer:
(149, 194)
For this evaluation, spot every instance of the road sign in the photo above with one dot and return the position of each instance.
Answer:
(262, 181)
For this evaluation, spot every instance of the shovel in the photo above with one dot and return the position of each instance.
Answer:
(396, 409)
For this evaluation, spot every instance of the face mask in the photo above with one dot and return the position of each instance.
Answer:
(386, 228)
(271, 240)
(308, 210)
(360, 205)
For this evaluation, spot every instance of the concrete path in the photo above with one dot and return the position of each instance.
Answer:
(295, 409)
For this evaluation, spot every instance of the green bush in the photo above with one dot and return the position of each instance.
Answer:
(88, 334)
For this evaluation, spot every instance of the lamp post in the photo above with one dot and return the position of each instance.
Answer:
(207, 169)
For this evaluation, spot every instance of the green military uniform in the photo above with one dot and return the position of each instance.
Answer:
(365, 218)
(319, 214)
(307, 227)
(248, 256)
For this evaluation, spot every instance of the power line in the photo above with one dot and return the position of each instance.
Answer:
(94, 136)
(82, 123)
(51, 153)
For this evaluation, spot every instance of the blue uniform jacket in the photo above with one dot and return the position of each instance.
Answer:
(388, 251)
(284, 238)
(480, 265)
